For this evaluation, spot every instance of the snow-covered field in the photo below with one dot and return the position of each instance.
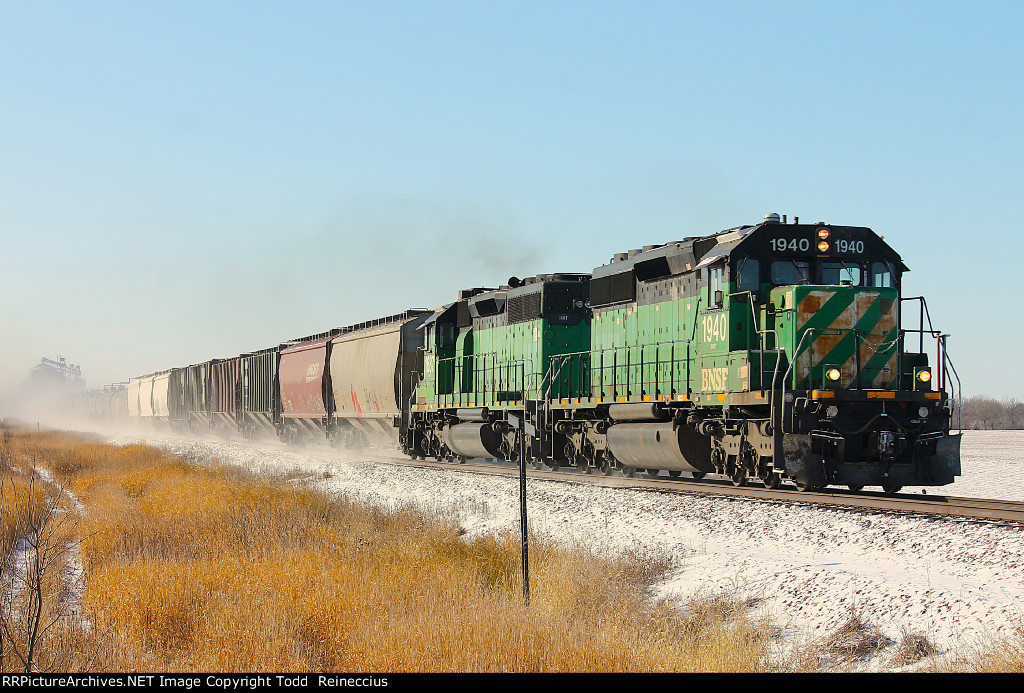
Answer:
(958, 584)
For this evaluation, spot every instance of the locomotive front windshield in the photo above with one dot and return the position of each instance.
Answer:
(829, 273)
(787, 272)
(839, 273)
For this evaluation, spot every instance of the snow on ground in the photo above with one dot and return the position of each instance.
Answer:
(959, 584)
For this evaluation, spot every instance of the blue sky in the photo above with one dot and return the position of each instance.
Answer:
(183, 181)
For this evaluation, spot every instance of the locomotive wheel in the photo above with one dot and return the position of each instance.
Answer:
(773, 481)
(698, 475)
(804, 486)
(629, 472)
(553, 465)
(606, 468)
(891, 489)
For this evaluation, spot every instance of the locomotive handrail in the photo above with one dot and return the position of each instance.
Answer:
(944, 364)
(785, 379)
(412, 397)
(587, 367)
(575, 371)
(753, 314)
(923, 304)
(603, 354)
(762, 334)
(799, 349)
(948, 362)
(509, 374)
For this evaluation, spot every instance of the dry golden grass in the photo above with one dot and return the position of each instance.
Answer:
(194, 568)
(210, 568)
(22, 501)
(1003, 656)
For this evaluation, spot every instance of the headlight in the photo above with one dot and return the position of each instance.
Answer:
(833, 374)
(922, 413)
(823, 247)
(922, 378)
(822, 234)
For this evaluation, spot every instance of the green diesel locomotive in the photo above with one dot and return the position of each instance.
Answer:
(775, 352)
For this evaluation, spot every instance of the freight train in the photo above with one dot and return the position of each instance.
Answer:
(777, 352)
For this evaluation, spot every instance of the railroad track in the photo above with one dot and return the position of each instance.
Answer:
(974, 509)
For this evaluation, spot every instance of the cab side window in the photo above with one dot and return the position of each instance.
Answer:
(748, 275)
(882, 275)
(715, 280)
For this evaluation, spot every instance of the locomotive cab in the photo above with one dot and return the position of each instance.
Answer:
(851, 402)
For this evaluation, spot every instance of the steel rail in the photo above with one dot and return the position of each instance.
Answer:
(952, 507)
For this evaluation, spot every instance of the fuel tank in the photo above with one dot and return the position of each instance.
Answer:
(472, 440)
(657, 446)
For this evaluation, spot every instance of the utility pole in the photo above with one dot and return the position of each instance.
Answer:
(525, 428)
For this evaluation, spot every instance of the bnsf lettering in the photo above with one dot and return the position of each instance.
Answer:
(713, 379)
(312, 371)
